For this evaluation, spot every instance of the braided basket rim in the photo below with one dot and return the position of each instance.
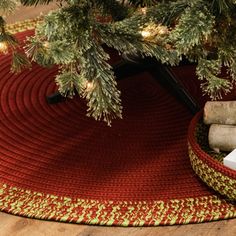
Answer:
(202, 155)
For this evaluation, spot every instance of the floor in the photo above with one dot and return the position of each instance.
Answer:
(18, 226)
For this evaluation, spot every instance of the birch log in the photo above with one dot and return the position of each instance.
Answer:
(222, 137)
(220, 112)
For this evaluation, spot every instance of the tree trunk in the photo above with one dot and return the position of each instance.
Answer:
(220, 112)
(222, 137)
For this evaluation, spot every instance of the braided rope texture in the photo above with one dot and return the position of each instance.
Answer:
(210, 170)
(57, 164)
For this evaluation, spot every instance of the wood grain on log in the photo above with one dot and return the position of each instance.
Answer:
(222, 137)
(220, 112)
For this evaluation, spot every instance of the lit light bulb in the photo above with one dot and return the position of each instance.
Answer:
(162, 30)
(146, 33)
(46, 44)
(144, 10)
(3, 47)
(89, 85)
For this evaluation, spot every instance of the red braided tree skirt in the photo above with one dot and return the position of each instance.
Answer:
(58, 164)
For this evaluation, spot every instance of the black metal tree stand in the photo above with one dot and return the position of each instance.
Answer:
(162, 73)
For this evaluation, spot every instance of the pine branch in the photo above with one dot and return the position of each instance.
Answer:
(34, 2)
(69, 81)
(126, 36)
(143, 3)
(10, 40)
(71, 37)
(209, 71)
(222, 6)
(19, 62)
(100, 88)
(195, 26)
(133, 43)
(116, 9)
(227, 54)
(7, 6)
(36, 50)
(67, 39)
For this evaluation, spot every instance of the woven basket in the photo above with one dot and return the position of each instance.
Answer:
(207, 164)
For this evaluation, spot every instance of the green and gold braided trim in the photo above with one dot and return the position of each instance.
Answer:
(123, 213)
(23, 25)
(207, 164)
(216, 180)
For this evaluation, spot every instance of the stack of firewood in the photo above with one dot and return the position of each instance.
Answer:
(221, 116)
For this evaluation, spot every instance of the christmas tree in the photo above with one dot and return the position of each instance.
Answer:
(72, 37)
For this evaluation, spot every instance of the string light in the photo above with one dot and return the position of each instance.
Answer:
(89, 85)
(146, 33)
(162, 30)
(144, 10)
(46, 44)
(3, 47)
(154, 31)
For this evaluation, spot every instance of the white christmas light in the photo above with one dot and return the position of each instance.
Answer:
(3, 47)
(163, 30)
(46, 44)
(146, 33)
(89, 85)
(144, 10)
